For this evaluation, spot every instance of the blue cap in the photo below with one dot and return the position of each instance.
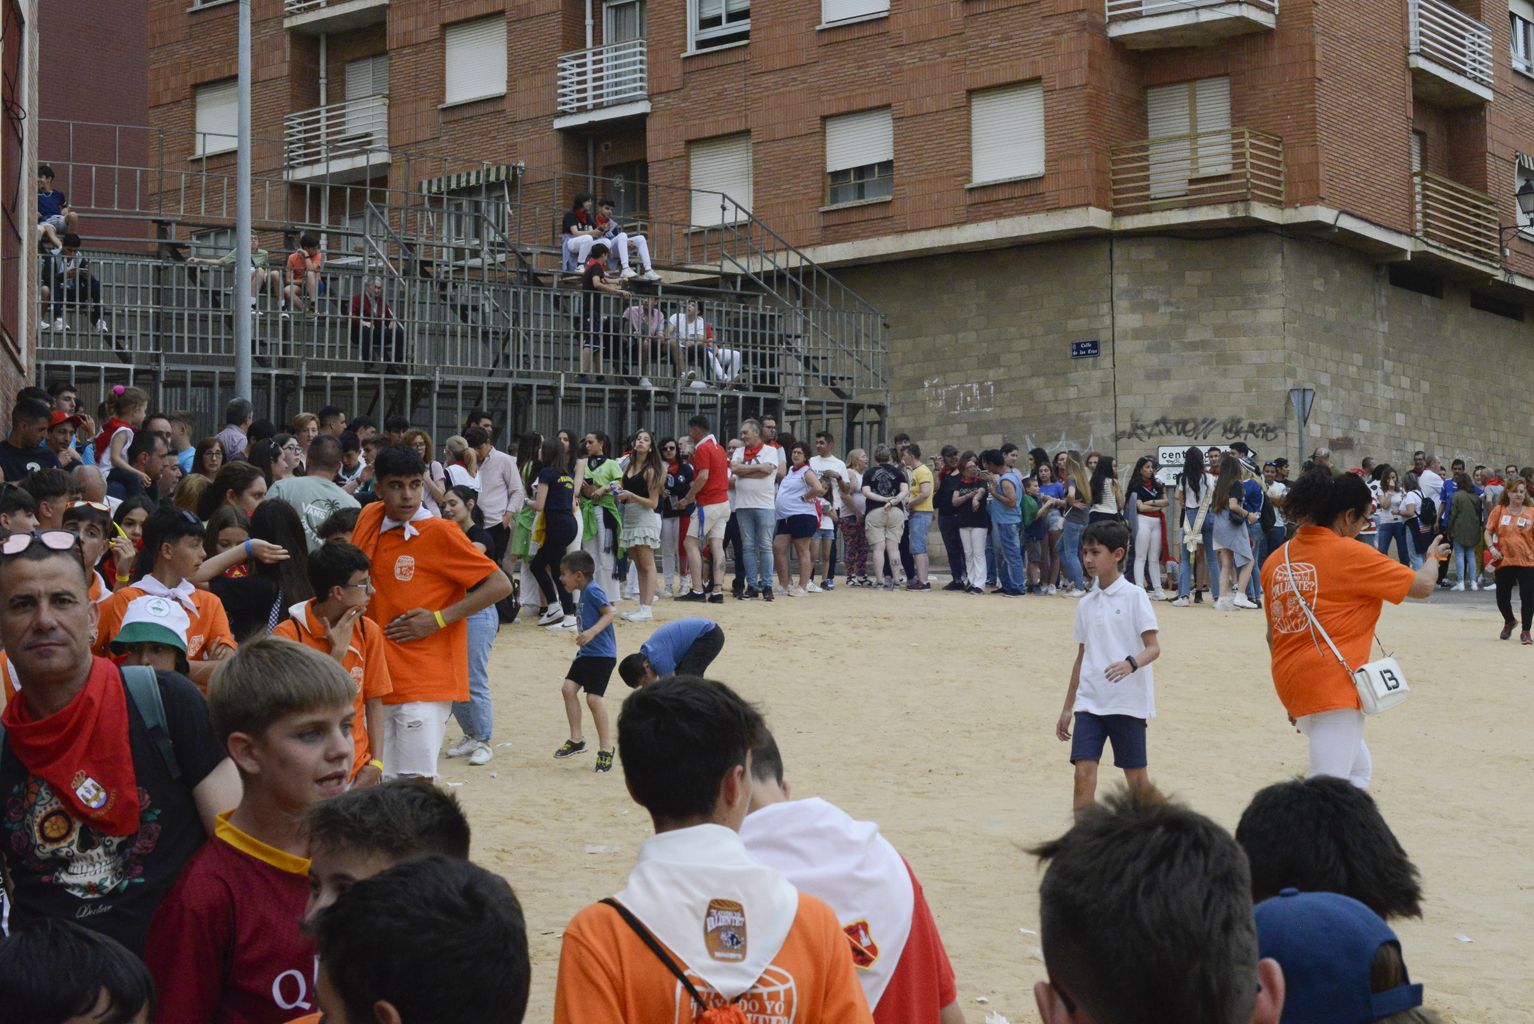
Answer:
(1325, 944)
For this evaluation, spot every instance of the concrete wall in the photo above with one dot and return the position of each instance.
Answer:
(1200, 341)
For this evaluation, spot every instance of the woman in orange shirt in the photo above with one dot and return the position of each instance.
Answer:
(1345, 585)
(1510, 541)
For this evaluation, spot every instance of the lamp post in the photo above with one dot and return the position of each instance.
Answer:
(1525, 199)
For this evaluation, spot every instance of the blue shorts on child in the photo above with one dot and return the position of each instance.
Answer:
(1092, 733)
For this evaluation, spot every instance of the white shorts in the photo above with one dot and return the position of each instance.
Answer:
(708, 521)
(413, 737)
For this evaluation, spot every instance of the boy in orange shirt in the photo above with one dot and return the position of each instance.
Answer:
(332, 623)
(171, 554)
(427, 580)
(729, 931)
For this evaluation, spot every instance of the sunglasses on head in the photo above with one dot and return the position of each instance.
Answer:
(53, 540)
(98, 506)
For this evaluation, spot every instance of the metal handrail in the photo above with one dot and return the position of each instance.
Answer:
(1238, 164)
(292, 7)
(1452, 38)
(1120, 10)
(602, 76)
(336, 131)
(1456, 217)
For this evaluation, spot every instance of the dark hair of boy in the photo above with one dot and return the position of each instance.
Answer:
(579, 561)
(331, 413)
(29, 410)
(308, 241)
(404, 819)
(474, 416)
(70, 240)
(360, 423)
(165, 526)
(700, 421)
(271, 677)
(44, 171)
(396, 460)
(49, 485)
(1326, 835)
(631, 669)
(262, 430)
(439, 939)
(397, 423)
(678, 739)
(1112, 534)
(54, 971)
(766, 760)
(142, 444)
(475, 436)
(340, 521)
(1146, 918)
(334, 565)
(77, 515)
(990, 457)
(350, 442)
(14, 498)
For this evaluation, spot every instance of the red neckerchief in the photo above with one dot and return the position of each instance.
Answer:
(602, 222)
(594, 262)
(752, 453)
(83, 751)
(104, 438)
(580, 215)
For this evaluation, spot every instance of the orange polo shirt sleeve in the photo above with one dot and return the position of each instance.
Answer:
(433, 569)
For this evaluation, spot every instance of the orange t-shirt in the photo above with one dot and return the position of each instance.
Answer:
(364, 662)
(607, 973)
(300, 261)
(209, 624)
(1344, 582)
(431, 570)
(1515, 534)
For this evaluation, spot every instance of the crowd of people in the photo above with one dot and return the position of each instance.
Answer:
(231, 664)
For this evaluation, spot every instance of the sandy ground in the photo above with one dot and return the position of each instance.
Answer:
(933, 714)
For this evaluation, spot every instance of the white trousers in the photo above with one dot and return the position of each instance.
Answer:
(670, 555)
(725, 363)
(579, 246)
(641, 245)
(1148, 551)
(974, 540)
(1337, 746)
(412, 738)
(606, 562)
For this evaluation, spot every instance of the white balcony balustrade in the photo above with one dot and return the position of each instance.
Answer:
(312, 17)
(1160, 24)
(1449, 55)
(339, 141)
(603, 83)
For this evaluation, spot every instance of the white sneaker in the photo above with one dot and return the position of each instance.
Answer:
(481, 754)
(1159, 595)
(550, 615)
(1181, 602)
(1458, 588)
(698, 385)
(795, 591)
(628, 274)
(463, 748)
(641, 614)
(1077, 593)
(46, 325)
(1474, 585)
(102, 328)
(563, 626)
(685, 587)
(650, 275)
(646, 383)
(813, 588)
(60, 325)
(1242, 601)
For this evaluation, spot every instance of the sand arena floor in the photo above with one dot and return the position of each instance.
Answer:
(933, 714)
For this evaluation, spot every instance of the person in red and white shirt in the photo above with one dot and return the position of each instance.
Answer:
(821, 850)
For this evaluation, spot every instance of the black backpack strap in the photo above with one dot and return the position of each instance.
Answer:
(143, 685)
(656, 948)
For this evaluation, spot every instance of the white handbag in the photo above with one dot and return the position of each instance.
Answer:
(1381, 684)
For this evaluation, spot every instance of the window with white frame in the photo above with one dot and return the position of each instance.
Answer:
(216, 117)
(1006, 133)
(833, 11)
(860, 157)
(1189, 128)
(1521, 177)
(468, 211)
(717, 23)
(1521, 14)
(720, 176)
(474, 60)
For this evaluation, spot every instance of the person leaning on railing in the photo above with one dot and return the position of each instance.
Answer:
(263, 277)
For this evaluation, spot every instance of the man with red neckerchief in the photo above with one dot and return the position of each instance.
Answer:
(103, 809)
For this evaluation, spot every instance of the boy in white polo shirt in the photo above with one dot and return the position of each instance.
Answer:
(1112, 693)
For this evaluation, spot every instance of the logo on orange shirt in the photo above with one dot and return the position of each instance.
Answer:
(724, 930)
(865, 951)
(1289, 583)
(404, 568)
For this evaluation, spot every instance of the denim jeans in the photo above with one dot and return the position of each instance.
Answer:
(1254, 583)
(1464, 563)
(1185, 558)
(1009, 567)
(1396, 532)
(756, 529)
(476, 715)
(1070, 553)
(1272, 540)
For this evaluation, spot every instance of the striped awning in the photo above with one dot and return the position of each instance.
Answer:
(486, 175)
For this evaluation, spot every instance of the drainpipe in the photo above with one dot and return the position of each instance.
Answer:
(590, 26)
(324, 99)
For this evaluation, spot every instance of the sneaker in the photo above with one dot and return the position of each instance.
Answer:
(571, 748)
(102, 328)
(565, 625)
(629, 273)
(551, 615)
(1198, 597)
(795, 591)
(1474, 586)
(1181, 602)
(481, 755)
(645, 383)
(650, 275)
(1525, 639)
(1159, 595)
(955, 585)
(693, 595)
(640, 614)
(716, 599)
(813, 588)
(463, 748)
(604, 760)
(766, 593)
(1458, 588)
(914, 586)
(1507, 631)
(1077, 593)
(698, 385)
(829, 584)
(749, 594)
(282, 315)
(1224, 604)
(60, 325)
(1242, 601)
(864, 581)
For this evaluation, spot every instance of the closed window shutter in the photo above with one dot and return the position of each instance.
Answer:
(842, 10)
(859, 140)
(474, 59)
(1523, 8)
(1168, 122)
(1211, 114)
(367, 77)
(1006, 132)
(217, 116)
(719, 165)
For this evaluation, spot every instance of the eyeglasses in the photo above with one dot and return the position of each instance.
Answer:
(98, 506)
(293, 448)
(366, 586)
(53, 540)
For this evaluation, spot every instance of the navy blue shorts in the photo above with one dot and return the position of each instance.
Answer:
(1093, 731)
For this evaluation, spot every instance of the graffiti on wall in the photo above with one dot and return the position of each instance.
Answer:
(960, 399)
(1199, 428)
(1064, 443)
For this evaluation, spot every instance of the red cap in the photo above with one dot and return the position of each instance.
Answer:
(59, 416)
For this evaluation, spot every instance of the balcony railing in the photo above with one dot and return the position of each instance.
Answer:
(350, 132)
(1456, 217)
(603, 76)
(312, 16)
(1451, 40)
(1152, 24)
(1237, 165)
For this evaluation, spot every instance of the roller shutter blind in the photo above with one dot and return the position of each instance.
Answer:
(217, 116)
(719, 165)
(860, 139)
(474, 59)
(1006, 127)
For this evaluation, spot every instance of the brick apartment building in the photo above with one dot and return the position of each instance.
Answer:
(1229, 199)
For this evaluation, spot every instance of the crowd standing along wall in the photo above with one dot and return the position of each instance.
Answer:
(1199, 340)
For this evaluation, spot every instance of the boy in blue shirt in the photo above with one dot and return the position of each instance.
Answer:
(594, 662)
(686, 647)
